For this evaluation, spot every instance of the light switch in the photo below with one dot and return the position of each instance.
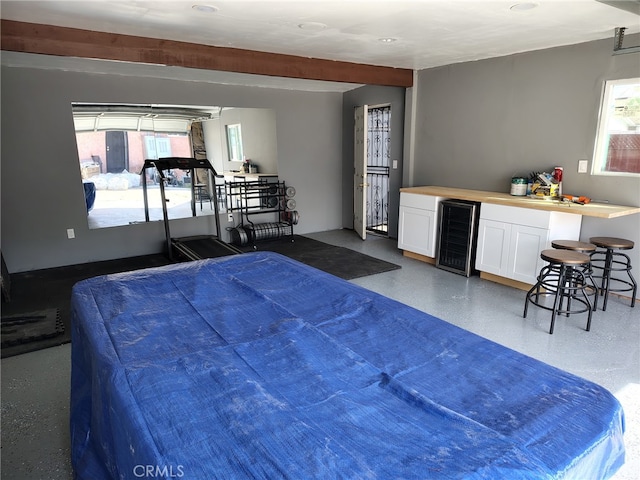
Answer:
(395, 164)
(582, 166)
(71, 233)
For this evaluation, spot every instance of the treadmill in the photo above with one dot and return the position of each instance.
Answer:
(192, 248)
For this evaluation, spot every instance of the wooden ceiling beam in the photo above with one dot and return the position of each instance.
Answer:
(73, 42)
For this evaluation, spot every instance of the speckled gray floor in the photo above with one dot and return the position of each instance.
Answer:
(35, 386)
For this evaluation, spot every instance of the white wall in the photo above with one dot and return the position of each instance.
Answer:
(41, 187)
(480, 123)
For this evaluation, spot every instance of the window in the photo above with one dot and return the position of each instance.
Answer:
(159, 147)
(617, 149)
(234, 143)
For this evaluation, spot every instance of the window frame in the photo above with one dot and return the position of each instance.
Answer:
(601, 147)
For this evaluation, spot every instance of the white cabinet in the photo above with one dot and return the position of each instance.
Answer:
(417, 224)
(415, 231)
(510, 239)
(524, 252)
(492, 253)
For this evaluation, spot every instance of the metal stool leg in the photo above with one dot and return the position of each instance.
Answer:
(611, 263)
(536, 288)
(632, 281)
(561, 280)
(558, 297)
(606, 277)
(588, 273)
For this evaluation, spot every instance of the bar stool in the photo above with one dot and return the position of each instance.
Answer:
(607, 259)
(588, 249)
(201, 193)
(562, 279)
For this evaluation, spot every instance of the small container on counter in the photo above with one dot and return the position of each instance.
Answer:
(519, 186)
(557, 175)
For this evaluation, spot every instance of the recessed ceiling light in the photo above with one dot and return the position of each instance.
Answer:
(205, 8)
(312, 26)
(523, 7)
(387, 40)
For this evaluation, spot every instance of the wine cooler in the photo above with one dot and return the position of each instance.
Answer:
(457, 234)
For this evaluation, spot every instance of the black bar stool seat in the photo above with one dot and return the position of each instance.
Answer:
(609, 260)
(563, 279)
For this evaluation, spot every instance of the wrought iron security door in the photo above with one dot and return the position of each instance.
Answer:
(378, 161)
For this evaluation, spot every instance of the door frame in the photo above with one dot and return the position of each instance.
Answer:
(360, 126)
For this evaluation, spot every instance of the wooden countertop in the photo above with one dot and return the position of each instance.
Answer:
(601, 210)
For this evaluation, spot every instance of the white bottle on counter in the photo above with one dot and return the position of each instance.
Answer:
(519, 186)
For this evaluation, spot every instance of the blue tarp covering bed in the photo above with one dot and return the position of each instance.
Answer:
(256, 366)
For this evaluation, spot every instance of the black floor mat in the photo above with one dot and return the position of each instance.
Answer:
(31, 327)
(42, 290)
(339, 261)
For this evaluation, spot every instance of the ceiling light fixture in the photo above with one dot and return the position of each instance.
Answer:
(523, 7)
(387, 40)
(205, 8)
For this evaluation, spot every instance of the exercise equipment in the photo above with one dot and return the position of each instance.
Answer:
(195, 247)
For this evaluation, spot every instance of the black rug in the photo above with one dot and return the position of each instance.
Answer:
(339, 261)
(30, 327)
(49, 290)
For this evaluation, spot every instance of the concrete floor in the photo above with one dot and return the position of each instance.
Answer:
(35, 386)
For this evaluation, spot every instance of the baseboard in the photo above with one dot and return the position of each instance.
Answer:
(505, 281)
(418, 256)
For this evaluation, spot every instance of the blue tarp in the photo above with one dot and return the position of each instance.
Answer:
(89, 194)
(257, 366)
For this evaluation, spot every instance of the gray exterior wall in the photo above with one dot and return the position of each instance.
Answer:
(479, 123)
(41, 187)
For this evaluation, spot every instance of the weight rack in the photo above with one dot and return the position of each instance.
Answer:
(261, 198)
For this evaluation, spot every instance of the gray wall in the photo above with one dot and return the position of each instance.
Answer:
(479, 123)
(41, 188)
(373, 95)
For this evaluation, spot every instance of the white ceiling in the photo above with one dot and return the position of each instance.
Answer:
(427, 33)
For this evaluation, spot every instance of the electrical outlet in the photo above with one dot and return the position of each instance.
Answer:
(582, 166)
(71, 233)
(230, 217)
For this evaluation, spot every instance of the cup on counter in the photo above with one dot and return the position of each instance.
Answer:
(557, 175)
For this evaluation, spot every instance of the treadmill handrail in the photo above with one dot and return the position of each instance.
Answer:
(181, 163)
